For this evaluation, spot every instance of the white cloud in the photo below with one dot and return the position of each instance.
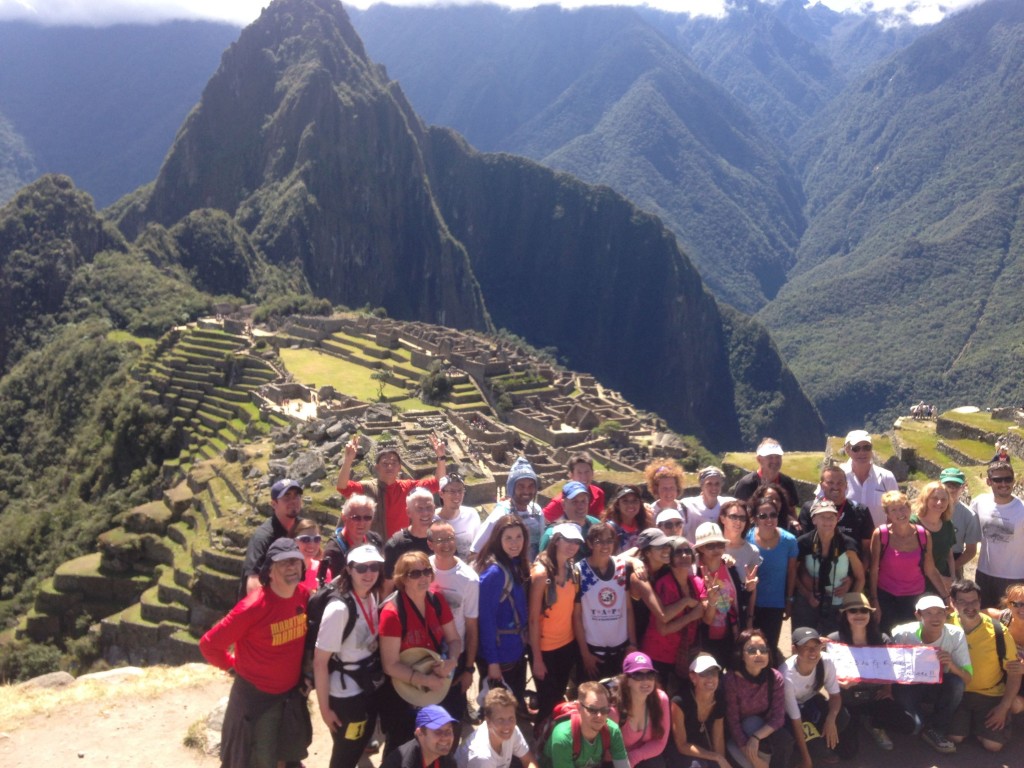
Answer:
(102, 12)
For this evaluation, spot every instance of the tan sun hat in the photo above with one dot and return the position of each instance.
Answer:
(423, 661)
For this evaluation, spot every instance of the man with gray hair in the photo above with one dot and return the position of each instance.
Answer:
(420, 506)
(355, 525)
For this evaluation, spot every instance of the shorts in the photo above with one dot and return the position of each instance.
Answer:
(970, 718)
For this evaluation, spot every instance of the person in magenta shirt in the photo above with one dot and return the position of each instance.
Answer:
(643, 714)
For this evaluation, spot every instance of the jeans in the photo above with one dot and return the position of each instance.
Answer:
(945, 696)
(779, 744)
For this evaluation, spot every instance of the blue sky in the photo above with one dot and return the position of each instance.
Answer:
(103, 12)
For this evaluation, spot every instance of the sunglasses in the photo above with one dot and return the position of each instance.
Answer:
(445, 540)
(1002, 479)
(419, 573)
(756, 650)
(737, 518)
(597, 710)
(768, 516)
(860, 448)
(1016, 604)
(362, 568)
(641, 677)
(307, 539)
(360, 518)
(858, 610)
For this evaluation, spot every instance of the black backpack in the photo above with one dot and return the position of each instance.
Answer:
(318, 602)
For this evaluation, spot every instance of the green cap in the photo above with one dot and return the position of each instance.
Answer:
(952, 475)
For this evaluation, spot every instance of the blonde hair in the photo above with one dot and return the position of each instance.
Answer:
(406, 563)
(920, 504)
(893, 499)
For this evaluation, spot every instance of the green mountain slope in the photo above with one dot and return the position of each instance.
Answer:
(17, 166)
(907, 280)
(601, 94)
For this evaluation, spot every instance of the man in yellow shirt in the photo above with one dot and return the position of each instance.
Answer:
(988, 697)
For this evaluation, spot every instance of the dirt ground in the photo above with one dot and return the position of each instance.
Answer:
(143, 721)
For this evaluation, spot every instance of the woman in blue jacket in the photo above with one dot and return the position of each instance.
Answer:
(504, 572)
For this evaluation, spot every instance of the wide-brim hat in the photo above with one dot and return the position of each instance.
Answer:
(708, 533)
(422, 660)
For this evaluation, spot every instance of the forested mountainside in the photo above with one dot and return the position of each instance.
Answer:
(906, 283)
(602, 94)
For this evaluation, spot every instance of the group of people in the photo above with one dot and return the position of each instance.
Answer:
(664, 618)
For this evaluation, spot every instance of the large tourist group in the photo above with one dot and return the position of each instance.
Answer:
(633, 628)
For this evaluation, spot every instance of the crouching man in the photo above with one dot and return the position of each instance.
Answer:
(820, 726)
(266, 722)
(988, 697)
(431, 743)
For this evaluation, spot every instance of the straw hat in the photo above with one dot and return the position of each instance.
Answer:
(423, 661)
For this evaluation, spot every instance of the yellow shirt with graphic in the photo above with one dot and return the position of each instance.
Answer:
(988, 672)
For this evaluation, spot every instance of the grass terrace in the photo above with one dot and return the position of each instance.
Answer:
(978, 419)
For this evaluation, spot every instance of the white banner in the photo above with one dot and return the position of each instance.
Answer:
(900, 664)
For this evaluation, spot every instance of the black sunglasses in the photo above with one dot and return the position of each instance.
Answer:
(362, 568)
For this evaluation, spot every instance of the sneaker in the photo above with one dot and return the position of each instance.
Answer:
(938, 742)
(881, 738)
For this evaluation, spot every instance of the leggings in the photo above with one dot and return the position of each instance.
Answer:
(551, 690)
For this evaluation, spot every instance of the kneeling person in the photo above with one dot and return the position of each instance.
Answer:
(599, 739)
(806, 672)
(431, 742)
(985, 709)
(498, 740)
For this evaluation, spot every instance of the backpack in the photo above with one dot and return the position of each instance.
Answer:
(922, 540)
(570, 710)
(997, 629)
(318, 602)
(434, 602)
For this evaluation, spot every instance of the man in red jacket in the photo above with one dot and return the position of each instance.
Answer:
(266, 720)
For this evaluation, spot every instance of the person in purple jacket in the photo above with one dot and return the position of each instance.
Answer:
(755, 706)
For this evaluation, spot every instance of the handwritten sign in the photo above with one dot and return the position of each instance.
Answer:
(900, 664)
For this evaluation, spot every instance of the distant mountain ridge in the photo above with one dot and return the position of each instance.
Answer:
(602, 94)
(102, 104)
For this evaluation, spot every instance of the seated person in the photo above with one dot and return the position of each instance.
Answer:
(818, 725)
(494, 743)
(599, 739)
(987, 705)
(431, 742)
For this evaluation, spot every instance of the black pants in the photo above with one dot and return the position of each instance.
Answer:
(769, 621)
(358, 715)
(551, 690)
(814, 711)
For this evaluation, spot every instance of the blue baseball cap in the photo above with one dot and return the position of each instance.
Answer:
(433, 717)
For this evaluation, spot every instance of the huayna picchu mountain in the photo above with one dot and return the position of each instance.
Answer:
(322, 161)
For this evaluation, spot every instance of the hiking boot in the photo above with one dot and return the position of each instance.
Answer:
(938, 742)
(881, 738)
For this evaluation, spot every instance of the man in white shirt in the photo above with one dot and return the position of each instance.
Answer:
(464, 520)
(955, 658)
(1001, 517)
(815, 720)
(866, 480)
(494, 743)
(460, 586)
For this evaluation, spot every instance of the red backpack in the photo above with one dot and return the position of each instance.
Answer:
(570, 710)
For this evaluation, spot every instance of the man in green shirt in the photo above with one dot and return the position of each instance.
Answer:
(599, 741)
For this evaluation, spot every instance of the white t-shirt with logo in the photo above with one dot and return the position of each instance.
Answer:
(1002, 536)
